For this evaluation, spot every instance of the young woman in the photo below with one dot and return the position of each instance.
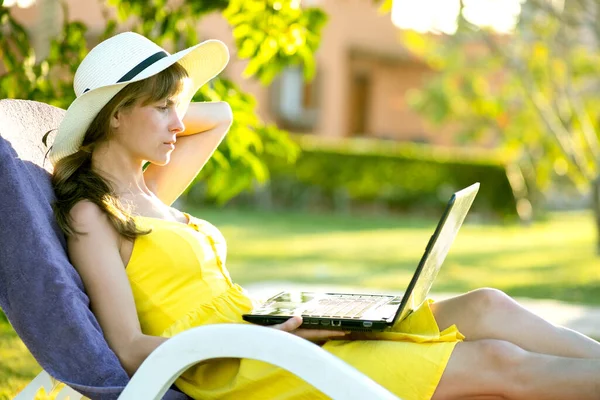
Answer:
(152, 271)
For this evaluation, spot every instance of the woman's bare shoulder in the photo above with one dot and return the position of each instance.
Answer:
(96, 241)
(87, 217)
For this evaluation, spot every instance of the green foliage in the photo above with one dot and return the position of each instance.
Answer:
(238, 163)
(533, 90)
(48, 80)
(274, 34)
(401, 177)
(14, 47)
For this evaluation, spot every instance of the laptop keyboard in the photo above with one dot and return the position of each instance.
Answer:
(344, 306)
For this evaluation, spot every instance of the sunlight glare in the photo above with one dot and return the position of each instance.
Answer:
(500, 15)
(18, 3)
(440, 15)
(426, 15)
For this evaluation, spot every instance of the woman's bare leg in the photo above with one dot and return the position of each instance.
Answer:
(491, 314)
(496, 369)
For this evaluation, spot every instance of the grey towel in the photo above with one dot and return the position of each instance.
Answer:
(40, 292)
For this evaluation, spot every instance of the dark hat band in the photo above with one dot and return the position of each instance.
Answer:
(140, 67)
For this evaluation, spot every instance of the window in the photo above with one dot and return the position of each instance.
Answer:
(295, 101)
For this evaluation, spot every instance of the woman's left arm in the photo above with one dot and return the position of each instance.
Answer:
(205, 127)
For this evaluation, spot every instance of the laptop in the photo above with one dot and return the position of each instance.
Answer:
(371, 312)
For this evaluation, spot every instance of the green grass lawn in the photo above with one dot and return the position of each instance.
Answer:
(553, 259)
(17, 366)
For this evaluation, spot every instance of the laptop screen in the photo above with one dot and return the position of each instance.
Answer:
(437, 249)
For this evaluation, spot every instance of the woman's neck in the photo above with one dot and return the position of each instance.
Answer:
(125, 173)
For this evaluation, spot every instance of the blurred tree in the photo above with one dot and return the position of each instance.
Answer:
(535, 92)
(271, 34)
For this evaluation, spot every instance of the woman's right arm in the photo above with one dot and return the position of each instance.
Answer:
(96, 257)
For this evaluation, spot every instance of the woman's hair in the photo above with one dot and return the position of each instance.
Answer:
(74, 180)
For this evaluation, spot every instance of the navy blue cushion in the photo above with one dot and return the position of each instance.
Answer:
(40, 292)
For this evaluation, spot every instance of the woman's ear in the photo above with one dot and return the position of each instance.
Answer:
(115, 119)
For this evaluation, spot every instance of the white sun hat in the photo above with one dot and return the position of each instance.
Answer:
(122, 59)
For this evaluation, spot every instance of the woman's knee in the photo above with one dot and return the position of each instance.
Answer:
(515, 369)
(504, 365)
(475, 312)
(499, 355)
(487, 303)
(483, 367)
(489, 299)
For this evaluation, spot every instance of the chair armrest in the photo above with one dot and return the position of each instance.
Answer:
(308, 361)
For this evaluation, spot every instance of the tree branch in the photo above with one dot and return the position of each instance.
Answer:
(587, 126)
(548, 117)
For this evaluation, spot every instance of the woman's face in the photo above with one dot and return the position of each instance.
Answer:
(148, 132)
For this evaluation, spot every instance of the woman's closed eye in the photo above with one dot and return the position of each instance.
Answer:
(166, 105)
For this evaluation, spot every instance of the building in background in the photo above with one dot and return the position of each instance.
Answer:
(360, 89)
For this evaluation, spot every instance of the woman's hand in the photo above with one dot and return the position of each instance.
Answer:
(314, 335)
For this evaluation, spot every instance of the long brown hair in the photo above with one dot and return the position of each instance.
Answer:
(74, 180)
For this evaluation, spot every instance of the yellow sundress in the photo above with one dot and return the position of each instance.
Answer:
(179, 281)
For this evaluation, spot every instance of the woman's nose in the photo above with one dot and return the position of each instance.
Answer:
(176, 125)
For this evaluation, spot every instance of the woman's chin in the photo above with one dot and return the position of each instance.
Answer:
(161, 161)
